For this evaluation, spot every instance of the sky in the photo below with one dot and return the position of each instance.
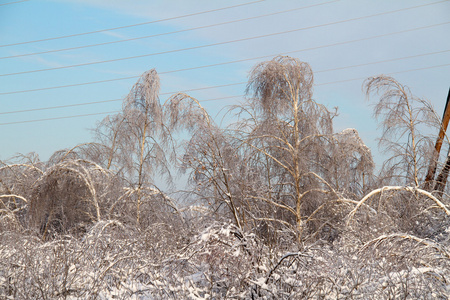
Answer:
(64, 65)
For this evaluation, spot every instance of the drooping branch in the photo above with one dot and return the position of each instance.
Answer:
(397, 188)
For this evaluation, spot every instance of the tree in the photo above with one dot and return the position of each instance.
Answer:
(295, 134)
(16, 180)
(210, 154)
(402, 117)
(407, 123)
(110, 132)
(138, 141)
(280, 162)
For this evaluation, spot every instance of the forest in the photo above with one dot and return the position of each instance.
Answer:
(167, 202)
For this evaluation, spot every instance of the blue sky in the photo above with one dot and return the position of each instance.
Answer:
(332, 37)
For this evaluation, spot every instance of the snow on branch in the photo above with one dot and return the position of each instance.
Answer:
(397, 188)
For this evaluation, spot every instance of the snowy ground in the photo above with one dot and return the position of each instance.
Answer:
(114, 262)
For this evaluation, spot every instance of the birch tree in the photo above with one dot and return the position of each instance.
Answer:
(293, 134)
(403, 118)
(210, 155)
(137, 144)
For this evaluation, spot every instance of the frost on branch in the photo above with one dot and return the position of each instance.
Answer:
(278, 205)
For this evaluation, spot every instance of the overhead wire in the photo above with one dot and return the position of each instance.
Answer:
(239, 83)
(319, 71)
(91, 103)
(383, 61)
(217, 44)
(242, 60)
(14, 2)
(100, 113)
(225, 23)
(168, 33)
(198, 67)
(132, 25)
(58, 106)
(196, 28)
(390, 73)
(59, 118)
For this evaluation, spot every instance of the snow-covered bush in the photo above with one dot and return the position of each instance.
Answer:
(279, 205)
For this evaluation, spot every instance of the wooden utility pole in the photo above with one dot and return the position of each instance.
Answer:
(433, 163)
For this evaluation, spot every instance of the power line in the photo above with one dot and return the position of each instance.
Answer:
(96, 102)
(320, 84)
(217, 44)
(225, 23)
(195, 28)
(8, 3)
(391, 73)
(230, 62)
(167, 33)
(94, 114)
(59, 118)
(319, 71)
(419, 69)
(68, 85)
(221, 98)
(132, 25)
(56, 107)
(383, 61)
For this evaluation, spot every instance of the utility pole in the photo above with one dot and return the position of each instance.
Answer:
(433, 164)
